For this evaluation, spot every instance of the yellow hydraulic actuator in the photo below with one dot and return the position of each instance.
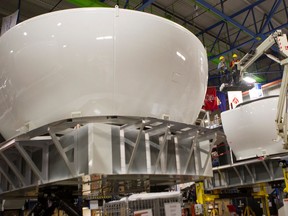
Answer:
(285, 174)
(248, 211)
(202, 198)
(263, 195)
(214, 212)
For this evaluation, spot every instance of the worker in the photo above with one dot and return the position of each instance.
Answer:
(223, 70)
(233, 67)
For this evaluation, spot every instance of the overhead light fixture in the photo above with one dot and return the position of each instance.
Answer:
(249, 79)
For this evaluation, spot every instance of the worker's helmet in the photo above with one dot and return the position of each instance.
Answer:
(221, 57)
(234, 56)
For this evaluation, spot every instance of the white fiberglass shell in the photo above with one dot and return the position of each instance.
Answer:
(97, 62)
(251, 129)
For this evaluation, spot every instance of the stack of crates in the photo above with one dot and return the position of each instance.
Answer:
(128, 206)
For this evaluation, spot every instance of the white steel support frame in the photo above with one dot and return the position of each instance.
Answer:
(250, 173)
(148, 156)
(222, 178)
(164, 151)
(163, 143)
(215, 139)
(131, 161)
(61, 151)
(162, 146)
(178, 167)
(268, 170)
(239, 175)
(14, 169)
(29, 161)
(122, 151)
(14, 147)
(15, 158)
(7, 178)
(197, 159)
(190, 154)
(244, 174)
(45, 159)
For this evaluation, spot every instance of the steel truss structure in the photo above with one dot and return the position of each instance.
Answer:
(121, 153)
(245, 173)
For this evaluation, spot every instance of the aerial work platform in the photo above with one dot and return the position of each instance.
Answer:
(225, 87)
(116, 151)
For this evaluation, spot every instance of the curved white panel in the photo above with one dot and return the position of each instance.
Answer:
(251, 129)
(99, 61)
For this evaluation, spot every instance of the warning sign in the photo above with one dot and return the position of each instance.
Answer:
(234, 98)
(172, 209)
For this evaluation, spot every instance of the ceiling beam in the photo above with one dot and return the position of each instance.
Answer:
(249, 2)
(225, 17)
(247, 42)
(145, 4)
(271, 13)
(232, 16)
(190, 23)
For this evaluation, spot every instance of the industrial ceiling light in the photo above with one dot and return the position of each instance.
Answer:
(249, 79)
